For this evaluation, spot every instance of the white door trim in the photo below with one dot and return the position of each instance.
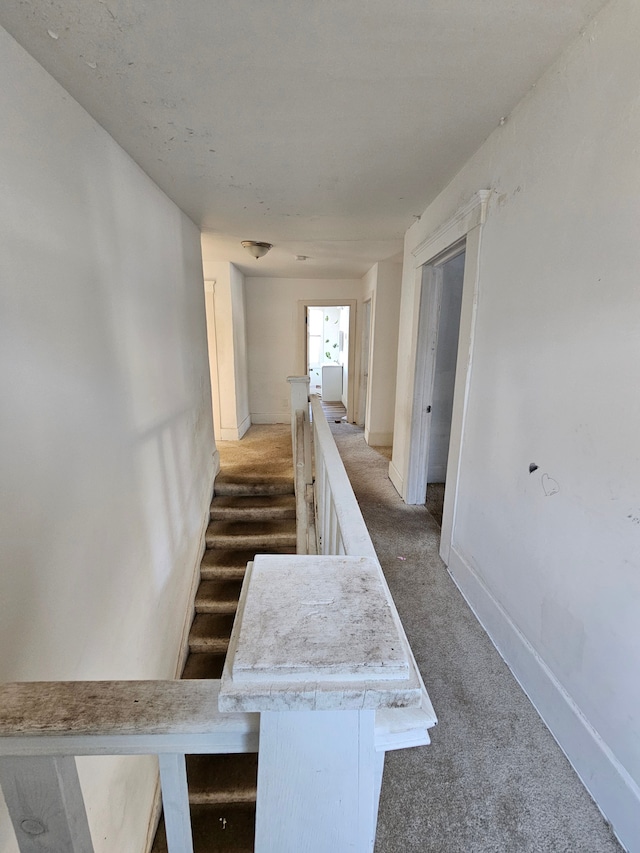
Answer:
(365, 362)
(465, 225)
(303, 304)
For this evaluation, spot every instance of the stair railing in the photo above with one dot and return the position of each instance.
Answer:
(302, 466)
(44, 725)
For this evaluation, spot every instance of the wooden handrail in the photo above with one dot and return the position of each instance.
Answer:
(120, 718)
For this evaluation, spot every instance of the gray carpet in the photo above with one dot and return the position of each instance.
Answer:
(493, 778)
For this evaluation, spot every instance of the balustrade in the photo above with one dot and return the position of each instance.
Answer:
(319, 676)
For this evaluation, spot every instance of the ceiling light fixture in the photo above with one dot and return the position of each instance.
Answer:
(258, 250)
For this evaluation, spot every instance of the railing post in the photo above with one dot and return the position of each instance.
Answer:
(299, 393)
(175, 803)
(317, 648)
(302, 507)
(299, 401)
(45, 803)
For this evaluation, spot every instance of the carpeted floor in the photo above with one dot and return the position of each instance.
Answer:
(263, 453)
(493, 779)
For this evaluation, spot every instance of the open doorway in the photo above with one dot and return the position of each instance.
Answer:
(327, 356)
(447, 331)
(313, 348)
(441, 296)
(408, 472)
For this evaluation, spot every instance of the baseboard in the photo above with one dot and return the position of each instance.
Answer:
(378, 439)
(614, 791)
(270, 417)
(183, 650)
(216, 464)
(154, 820)
(234, 433)
(396, 479)
(244, 426)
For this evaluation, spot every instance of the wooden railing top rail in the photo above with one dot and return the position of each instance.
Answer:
(119, 717)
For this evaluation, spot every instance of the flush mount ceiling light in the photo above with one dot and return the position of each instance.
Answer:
(258, 250)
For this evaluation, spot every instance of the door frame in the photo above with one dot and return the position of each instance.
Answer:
(463, 229)
(303, 304)
(365, 361)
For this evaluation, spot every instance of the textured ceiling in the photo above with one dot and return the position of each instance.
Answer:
(322, 126)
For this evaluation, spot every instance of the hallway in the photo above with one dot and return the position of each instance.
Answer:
(493, 778)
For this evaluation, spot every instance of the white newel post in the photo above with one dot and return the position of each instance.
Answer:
(299, 394)
(300, 402)
(317, 648)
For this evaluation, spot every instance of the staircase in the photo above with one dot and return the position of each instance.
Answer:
(248, 516)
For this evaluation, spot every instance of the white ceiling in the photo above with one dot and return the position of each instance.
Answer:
(321, 126)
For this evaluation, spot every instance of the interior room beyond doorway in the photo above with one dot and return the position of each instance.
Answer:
(447, 305)
(328, 351)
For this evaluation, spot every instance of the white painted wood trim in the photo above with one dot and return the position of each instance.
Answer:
(396, 478)
(175, 802)
(317, 782)
(183, 650)
(378, 439)
(244, 426)
(301, 355)
(612, 788)
(234, 433)
(464, 365)
(270, 417)
(242, 739)
(464, 225)
(45, 804)
(466, 218)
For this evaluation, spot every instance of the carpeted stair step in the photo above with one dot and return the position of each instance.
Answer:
(204, 665)
(226, 828)
(220, 564)
(210, 632)
(256, 536)
(253, 508)
(216, 779)
(218, 596)
(253, 485)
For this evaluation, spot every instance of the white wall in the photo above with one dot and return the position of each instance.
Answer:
(551, 560)
(275, 336)
(227, 343)
(106, 436)
(382, 284)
